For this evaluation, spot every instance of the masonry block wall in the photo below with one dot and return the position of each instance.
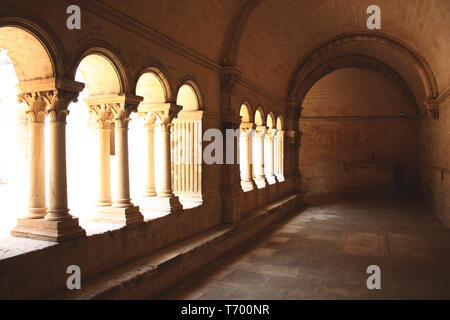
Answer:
(435, 161)
(351, 116)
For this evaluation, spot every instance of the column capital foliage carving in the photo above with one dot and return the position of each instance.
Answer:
(36, 111)
(120, 106)
(55, 93)
(163, 113)
(58, 102)
(246, 128)
(260, 131)
(103, 114)
(271, 134)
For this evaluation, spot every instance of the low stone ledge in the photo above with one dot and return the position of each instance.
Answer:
(147, 277)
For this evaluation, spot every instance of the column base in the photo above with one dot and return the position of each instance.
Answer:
(280, 177)
(261, 182)
(164, 205)
(54, 231)
(116, 215)
(271, 179)
(248, 185)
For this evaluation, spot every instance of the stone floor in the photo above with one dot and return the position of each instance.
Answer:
(323, 251)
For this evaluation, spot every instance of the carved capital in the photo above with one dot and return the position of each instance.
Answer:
(58, 101)
(271, 134)
(36, 111)
(246, 128)
(260, 131)
(104, 116)
(163, 114)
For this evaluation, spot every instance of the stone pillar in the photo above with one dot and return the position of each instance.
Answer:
(58, 225)
(116, 108)
(104, 118)
(165, 201)
(247, 181)
(150, 190)
(37, 207)
(270, 136)
(258, 162)
(280, 155)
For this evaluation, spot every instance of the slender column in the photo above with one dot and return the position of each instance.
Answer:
(280, 139)
(36, 161)
(150, 126)
(57, 225)
(104, 118)
(165, 201)
(270, 136)
(246, 157)
(260, 178)
(121, 120)
(58, 102)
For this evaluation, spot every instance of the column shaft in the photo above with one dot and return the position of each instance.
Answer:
(58, 209)
(164, 189)
(150, 187)
(104, 168)
(36, 164)
(123, 199)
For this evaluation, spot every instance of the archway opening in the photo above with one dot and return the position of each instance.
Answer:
(23, 57)
(355, 137)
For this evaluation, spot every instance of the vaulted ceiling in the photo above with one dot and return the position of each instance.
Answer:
(273, 40)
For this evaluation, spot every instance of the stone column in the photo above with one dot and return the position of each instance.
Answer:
(260, 178)
(104, 118)
(270, 136)
(58, 225)
(280, 159)
(165, 201)
(150, 190)
(122, 211)
(37, 207)
(247, 182)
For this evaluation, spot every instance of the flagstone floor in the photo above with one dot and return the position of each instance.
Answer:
(323, 251)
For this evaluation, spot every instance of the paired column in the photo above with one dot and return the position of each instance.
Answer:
(115, 108)
(104, 118)
(56, 224)
(269, 169)
(260, 178)
(280, 158)
(150, 119)
(165, 200)
(37, 111)
(246, 158)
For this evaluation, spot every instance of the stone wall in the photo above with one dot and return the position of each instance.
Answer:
(352, 116)
(435, 161)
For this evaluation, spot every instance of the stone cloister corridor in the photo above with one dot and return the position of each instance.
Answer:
(239, 149)
(323, 249)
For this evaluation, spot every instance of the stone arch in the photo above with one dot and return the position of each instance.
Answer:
(308, 80)
(245, 112)
(101, 74)
(259, 117)
(189, 97)
(102, 60)
(15, 39)
(153, 86)
(280, 123)
(270, 121)
(334, 50)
